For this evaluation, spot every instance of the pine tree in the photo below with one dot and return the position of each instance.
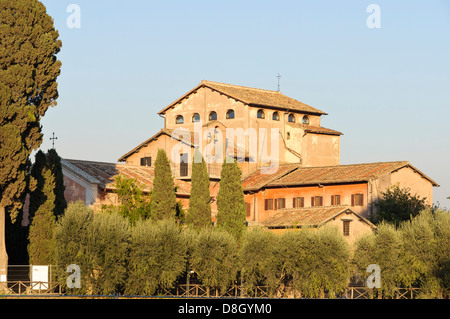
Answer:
(231, 214)
(28, 71)
(163, 204)
(199, 212)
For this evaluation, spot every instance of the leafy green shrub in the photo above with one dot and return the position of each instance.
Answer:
(258, 257)
(157, 257)
(214, 258)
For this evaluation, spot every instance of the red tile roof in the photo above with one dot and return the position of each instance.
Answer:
(311, 216)
(105, 173)
(319, 130)
(253, 97)
(297, 175)
(261, 178)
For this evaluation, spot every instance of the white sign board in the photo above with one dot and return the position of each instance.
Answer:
(39, 277)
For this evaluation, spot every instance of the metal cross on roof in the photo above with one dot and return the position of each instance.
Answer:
(278, 76)
(53, 140)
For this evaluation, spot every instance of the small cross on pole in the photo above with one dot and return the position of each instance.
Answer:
(53, 140)
(278, 76)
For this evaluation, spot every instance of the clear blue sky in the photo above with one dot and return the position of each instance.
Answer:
(387, 89)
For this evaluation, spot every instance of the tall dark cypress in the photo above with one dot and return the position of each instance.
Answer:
(199, 212)
(54, 163)
(231, 215)
(163, 204)
(28, 72)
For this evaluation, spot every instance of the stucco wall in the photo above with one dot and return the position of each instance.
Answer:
(406, 177)
(357, 229)
(256, 200)
(320, 150)
(78, 189)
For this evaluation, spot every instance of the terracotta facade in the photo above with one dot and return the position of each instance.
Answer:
(269, 129)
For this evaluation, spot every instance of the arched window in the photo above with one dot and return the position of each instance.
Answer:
(288, 135)
(305, 119)
(230, 114)
(261, 114)
(212, 116)
(179, 119)
(291, 118)
(275, 116)
(196, 117)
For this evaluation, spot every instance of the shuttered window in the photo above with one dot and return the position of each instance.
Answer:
(281, 203)
(248, 208)
(274, 204)
(358, 200)
(316, 201)
(268, 204)
(298, 202)
(335, 200)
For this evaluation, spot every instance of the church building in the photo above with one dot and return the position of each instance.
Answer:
(290, 163)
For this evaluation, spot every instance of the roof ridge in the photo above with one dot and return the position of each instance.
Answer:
(240, 86)
(356, 164)
(91, 162)
(299, 165)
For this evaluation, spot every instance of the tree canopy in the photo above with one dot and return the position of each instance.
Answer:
(231, 215)
(199, 212)
(397, 205)
(164, 202)
(28, 72)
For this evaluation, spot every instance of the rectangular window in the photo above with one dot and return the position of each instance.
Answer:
(146, 161)
(358, 200)
(316, 201)
(268, 204)
(298, 202)
(274, 204)
(335, 200)
(281, 203)
(183, 164)
(346, 224)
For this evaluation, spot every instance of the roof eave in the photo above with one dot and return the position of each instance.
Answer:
(408, 164)
(124, 157)
(319, 112)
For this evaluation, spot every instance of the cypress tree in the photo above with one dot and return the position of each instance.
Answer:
(37, 196)
(47, 203)
(164, 202)
(28, 71)
(199, 212)
(42, 225)
(231, 215)
(54, 163)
